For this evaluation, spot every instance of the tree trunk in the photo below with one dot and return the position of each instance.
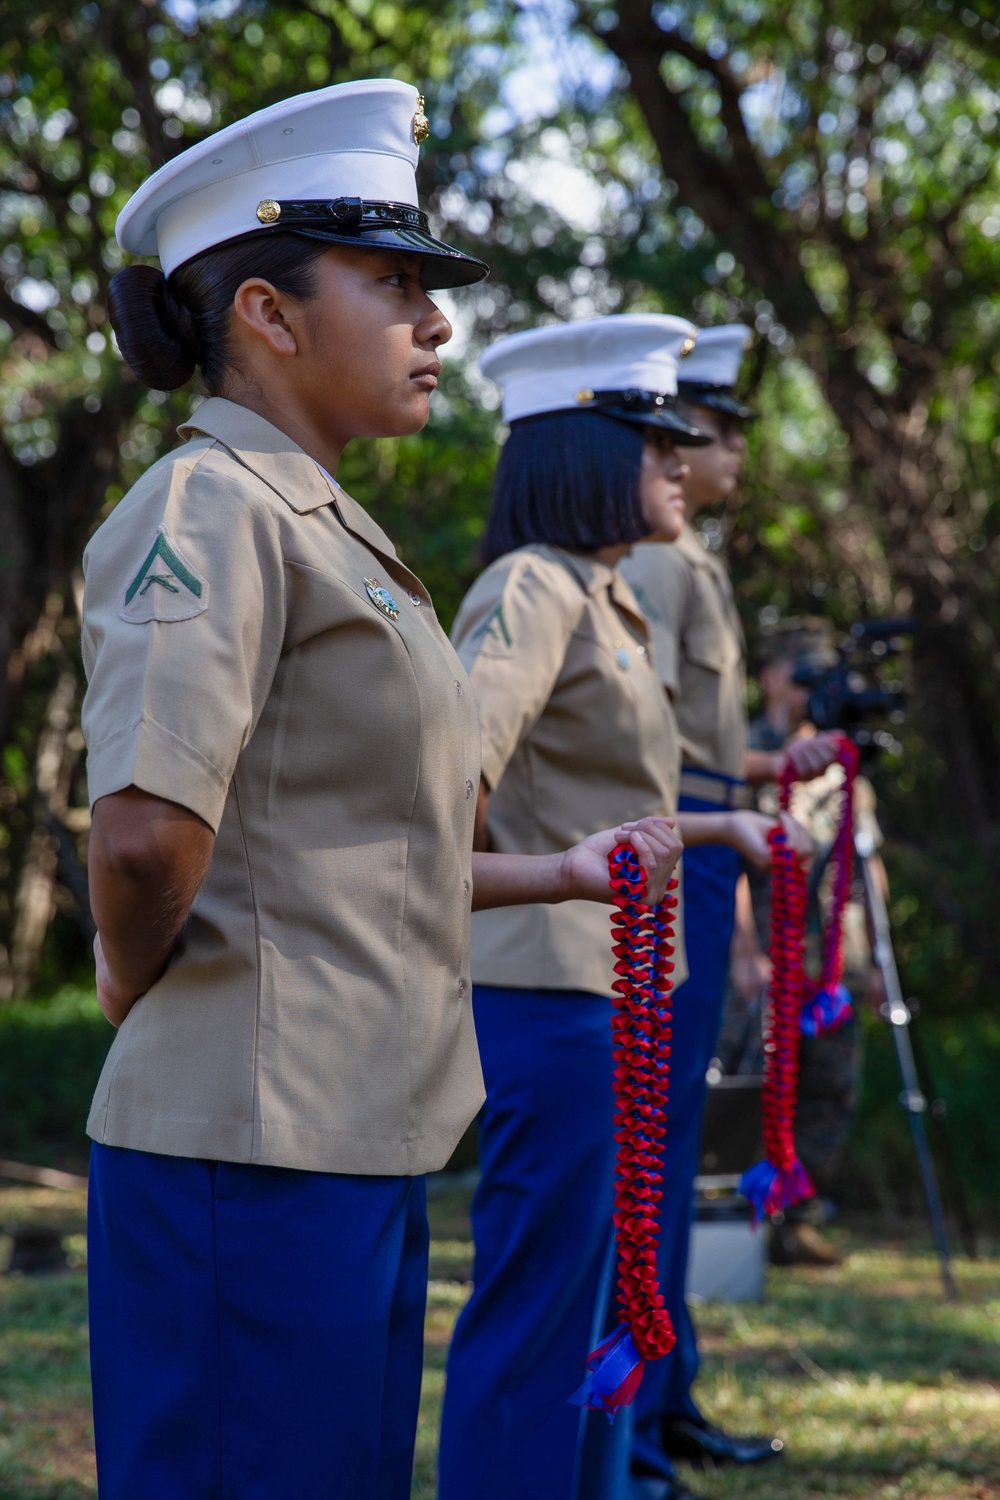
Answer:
(891, 440)
(35, 901)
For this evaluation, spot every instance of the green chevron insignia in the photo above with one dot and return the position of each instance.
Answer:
(167, 586)
(645, 603)
(495, 625)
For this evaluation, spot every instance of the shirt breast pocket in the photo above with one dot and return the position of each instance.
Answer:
(707, 643)
(711, 639)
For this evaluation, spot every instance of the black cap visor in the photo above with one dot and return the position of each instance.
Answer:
(719, 397)
(645, 409)
(380, 226)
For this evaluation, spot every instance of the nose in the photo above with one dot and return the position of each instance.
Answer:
(675, 467)
(736, 441)
(433, 328)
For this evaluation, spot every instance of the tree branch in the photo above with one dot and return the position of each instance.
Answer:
(23, 319)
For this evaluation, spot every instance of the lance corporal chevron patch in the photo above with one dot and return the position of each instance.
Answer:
(167, 586)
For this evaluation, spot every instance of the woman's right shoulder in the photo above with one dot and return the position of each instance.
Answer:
(199, 486)
(521, 588)
(534, 569)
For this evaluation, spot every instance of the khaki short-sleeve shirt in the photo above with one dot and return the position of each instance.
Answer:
(257, 653)
(698, 646)
(577, 736)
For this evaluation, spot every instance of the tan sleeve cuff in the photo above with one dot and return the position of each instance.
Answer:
(494, 762)
(147, 755)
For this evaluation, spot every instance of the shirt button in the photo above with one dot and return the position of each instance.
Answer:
(641, 650)
(414, 597)
(469, 789)
(458, 687)
(461, 986)
(465, 886)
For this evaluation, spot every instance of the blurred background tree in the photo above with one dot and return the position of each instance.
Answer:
(825, 172)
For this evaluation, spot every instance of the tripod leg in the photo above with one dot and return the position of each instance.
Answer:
(954, 1192)
(912, 1098)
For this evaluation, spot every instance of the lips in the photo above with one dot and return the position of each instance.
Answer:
(428, 376)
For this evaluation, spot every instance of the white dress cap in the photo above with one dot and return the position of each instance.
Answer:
(336, 164)
(709, 376)
(625, 365)
(716, 358)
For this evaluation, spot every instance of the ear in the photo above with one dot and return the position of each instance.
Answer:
(265, 313)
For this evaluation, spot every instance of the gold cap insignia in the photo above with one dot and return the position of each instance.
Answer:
(688, 345)
(583, 396)
(421, 124)
(268, 212)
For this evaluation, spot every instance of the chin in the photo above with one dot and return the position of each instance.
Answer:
(404, 421)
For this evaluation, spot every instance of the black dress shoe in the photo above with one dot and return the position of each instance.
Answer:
(706, 1446)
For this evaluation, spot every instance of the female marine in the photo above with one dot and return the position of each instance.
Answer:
(576, 733)
(283, 756)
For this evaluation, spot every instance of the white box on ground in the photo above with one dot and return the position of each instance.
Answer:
(726, 1261)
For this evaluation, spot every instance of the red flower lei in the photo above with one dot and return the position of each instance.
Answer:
(642, 944)
(829, 1005)
(780, 1180)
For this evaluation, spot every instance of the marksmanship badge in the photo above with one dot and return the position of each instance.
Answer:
(381, 598)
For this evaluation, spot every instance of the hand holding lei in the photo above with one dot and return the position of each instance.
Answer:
(780, 1180)
(829, 1005)
(642, 944)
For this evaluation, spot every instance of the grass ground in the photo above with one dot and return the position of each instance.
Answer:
(880, 1389)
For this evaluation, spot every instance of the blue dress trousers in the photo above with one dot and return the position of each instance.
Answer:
(710, 876)
(544, 1259)
(257, 1332)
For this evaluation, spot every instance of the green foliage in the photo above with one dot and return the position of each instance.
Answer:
(46, 1448)
(959, 1059)
(51, 1053)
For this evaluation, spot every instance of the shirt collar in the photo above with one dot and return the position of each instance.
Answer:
(264, 448)
(596, 577)
(590, 573)
(694, 549)
(275, 458)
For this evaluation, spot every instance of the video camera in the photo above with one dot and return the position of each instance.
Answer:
(852, 691)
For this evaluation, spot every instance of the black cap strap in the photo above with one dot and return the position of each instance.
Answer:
(632, 400)
(345, 215)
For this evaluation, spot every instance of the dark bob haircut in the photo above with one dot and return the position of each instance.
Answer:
(567, 478)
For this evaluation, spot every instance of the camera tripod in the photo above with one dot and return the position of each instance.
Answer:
(898, 1014)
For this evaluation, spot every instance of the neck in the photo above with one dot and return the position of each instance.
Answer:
(321, 444)
(612, 556)
(776, 715)
(693, 506)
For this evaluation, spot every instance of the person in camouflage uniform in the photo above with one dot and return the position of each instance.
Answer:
(830, 1064)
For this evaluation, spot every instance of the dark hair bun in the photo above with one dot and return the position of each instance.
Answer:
(156, 331)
